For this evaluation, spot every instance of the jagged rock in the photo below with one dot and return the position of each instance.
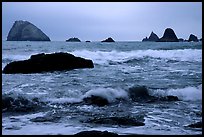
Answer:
(26, 31)
(96, 100)
(192, 38)
(96, 133)
(152, 37)
(47, 63)
(145, 39)
(169, 36)
(108, 40)
(73, 40)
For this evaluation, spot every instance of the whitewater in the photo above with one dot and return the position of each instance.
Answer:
(52, 103)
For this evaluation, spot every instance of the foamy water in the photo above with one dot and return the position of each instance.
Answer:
(55, 100)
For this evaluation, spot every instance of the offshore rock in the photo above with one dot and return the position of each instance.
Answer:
(96, 133)
(152, 37)
(192, 38)
(169, 36)
(48, 63)
(26, 31)
(73, 40)
(96, 100)
(108, 40)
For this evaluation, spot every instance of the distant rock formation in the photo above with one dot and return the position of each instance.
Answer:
(88, 41)
(169, 36)
(48, 63)
(181, 40)
(152, 37)
(26, 31)
(193, 38)
(73, 40)
(108, 40)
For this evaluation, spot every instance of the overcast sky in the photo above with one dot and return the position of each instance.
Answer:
(95, 21)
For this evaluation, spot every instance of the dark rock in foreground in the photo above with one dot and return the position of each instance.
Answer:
(20, 104)
(47, 63)
(196, 125)
(169, 36)
(108, 40)
(152, 37)
(96, 133)
(192, 38)
(73, 40)
(26, 31)
(121, 121)
(96, 100)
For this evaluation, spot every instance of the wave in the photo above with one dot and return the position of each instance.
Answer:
(104, 57)
(187, 94)
(19, 102)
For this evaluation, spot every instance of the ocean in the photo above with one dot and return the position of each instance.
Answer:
(51, 103)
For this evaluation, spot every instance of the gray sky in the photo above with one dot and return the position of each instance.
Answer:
(95, 21)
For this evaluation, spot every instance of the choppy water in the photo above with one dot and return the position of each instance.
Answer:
(164, 68)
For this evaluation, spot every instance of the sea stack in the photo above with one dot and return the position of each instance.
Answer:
(193, 38)
(108, 40)
(73, 40)
(26, 31)
(169, 36)
(152, 37)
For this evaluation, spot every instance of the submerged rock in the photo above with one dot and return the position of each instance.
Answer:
(108, 40)
(169, 36)
(26, 31)
(192, 38)
(88, 41)
(96, 100)
(121, 121)
(152, 37)
(47, 63)
(96, 133)
(196, 125)
(141, 94)
(73, 40)
(20, 104)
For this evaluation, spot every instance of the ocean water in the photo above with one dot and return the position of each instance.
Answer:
(56, 105)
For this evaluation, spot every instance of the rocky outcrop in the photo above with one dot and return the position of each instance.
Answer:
(114, 120)
(141, 94)
(192, 38)
(181, 40)
(196, 125)
(108, 40)
(96, 100)
(152, 37)
(88, 41)
(169, 36)
(73, 40)
(48, 63)
(26, 31)
(95, 133)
